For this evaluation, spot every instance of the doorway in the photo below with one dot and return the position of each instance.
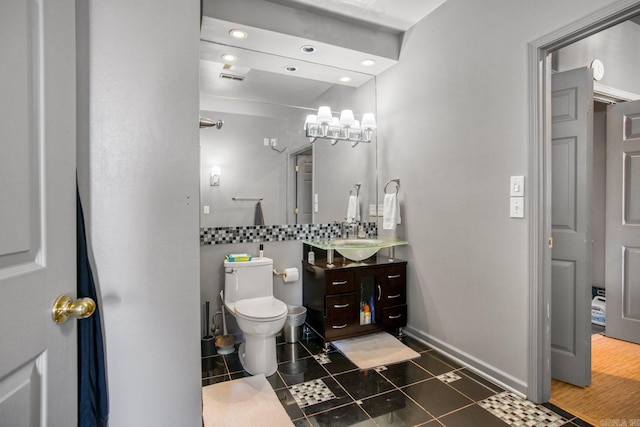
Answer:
(539, 384)
(302, 162)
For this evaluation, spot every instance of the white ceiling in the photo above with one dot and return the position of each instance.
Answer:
(344, 32)
(398, 15)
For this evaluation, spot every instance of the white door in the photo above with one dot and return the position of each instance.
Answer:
(622, 269)
(572, 147)
(37, 211)
(304, 189)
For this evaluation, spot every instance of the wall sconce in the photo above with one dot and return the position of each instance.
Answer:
(346, 128)
(215, 175)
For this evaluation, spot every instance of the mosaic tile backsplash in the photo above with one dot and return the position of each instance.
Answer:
(275, 233)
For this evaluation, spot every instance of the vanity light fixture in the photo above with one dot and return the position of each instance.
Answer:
(346, 128)
(238, 34)
(215, 175)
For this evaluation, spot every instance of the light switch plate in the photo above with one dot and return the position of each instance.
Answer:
(372, 210)
(206, 210)
(517, 207)
(517, 186)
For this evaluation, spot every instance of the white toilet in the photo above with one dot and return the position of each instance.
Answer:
(248, 296)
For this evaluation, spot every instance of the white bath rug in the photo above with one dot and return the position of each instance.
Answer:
(226, 404)
(373, 350)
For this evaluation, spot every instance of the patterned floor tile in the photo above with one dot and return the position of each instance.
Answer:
(322, 359)
(449, 377)
(516, 411)
(311, 393)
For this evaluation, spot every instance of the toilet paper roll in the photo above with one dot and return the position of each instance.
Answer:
(291, 274)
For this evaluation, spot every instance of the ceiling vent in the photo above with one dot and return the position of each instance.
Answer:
(231, 77)
(234, 72)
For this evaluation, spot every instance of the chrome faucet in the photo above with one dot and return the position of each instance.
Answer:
(349, 229)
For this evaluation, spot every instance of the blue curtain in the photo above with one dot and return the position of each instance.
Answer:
(93, 399)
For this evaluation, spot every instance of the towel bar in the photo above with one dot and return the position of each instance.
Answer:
(396, 180)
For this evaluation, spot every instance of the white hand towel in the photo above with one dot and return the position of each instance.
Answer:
(391, 212)
(353, 211)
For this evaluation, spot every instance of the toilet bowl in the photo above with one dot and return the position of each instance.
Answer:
(260, 316)
(259, 319)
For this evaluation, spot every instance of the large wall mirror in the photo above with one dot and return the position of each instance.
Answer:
(260, 152)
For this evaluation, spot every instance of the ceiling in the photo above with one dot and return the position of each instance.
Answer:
(394, 15)
(343, 33)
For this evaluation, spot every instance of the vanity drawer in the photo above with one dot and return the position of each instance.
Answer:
(339, 326)
(394, 317)
(393, 276)
(341, 305)
(392, 295)
(340, 281)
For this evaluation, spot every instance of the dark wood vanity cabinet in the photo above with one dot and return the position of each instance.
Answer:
(334, 296)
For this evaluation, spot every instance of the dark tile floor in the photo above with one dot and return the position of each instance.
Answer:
(431, 390)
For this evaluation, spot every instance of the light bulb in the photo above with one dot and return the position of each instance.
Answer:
(346, 118)
(368, 121)
(324, 115)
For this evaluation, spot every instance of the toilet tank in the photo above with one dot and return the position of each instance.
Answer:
(248, 279)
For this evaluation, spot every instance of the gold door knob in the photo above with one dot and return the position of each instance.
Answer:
(65, 307)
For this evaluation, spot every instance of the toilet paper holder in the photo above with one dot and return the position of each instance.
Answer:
(288, 274)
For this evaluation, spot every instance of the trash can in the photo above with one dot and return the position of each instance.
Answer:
(296, 316)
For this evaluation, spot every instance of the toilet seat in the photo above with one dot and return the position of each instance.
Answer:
(260, 309)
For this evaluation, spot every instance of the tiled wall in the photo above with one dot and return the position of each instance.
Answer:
(275, 233)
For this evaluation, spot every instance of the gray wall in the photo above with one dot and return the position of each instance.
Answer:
(249, 168)
(454, 127)
(138, 171)
(616, 47)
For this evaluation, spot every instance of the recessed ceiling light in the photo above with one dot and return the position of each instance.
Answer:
(345, 79)
(368, 63)
(308, 48)
(291, 68)
(228, 57)
(238, 34)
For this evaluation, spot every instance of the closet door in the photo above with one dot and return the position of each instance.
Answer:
(572, 151)
(622, 269)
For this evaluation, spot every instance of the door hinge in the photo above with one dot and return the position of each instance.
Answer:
(550, 242)
(295, 211)
(297, 170)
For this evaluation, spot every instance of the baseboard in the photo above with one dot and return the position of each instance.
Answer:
(491, 373)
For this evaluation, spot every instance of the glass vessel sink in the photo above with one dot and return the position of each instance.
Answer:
(354, 249)
(357, 249)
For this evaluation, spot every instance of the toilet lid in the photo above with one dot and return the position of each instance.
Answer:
(261, 308)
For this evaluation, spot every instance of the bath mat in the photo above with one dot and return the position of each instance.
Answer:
(226, 404)
(373, 350)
